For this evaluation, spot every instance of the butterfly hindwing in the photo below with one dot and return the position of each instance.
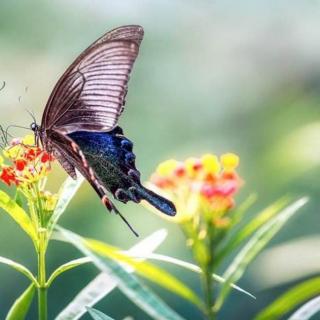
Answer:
(110, 156)
(68, 153)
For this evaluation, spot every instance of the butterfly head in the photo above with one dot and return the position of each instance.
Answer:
(34, 127)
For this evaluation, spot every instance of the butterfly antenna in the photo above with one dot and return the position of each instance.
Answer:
(3, 85)
(7, 133)
(32, 115)
(4, 137)
(14, 126)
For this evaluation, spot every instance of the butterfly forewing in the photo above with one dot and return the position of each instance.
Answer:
(90, 95)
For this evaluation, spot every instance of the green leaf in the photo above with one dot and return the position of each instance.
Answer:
(291, 299)
(66, 193)
(242, 209)
(307, 310)
(18, 215)
(256, 243)
(18, 198)
(189, 266)
(98, 315)
(65, 267)
(19, 267)
(127, 283)
(250, 227)
(103, 284)
(146, 270)
(21, 306)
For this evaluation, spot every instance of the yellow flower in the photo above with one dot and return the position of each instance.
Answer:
(229, 161)
(167, 167)
(211, 163)
(12, 152)
(29, 140)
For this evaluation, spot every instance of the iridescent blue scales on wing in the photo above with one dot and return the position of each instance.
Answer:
(110, 156)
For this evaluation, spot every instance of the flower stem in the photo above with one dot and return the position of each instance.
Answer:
(42, 290)
(207, 290)
(207, 270)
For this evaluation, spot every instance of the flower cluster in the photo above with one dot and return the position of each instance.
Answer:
(205, 185)
(23, 162)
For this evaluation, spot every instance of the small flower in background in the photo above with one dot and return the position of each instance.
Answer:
(203, 186)
(203, 190)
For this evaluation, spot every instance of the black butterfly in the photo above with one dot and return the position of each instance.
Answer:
(79, 123)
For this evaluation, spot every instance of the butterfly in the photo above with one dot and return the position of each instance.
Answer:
(79, 123)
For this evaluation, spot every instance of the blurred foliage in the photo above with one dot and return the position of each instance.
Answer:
(211, 77)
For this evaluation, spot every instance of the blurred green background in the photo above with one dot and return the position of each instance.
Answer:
(212, 76)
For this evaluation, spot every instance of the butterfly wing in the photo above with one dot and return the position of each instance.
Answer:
(68, 153)
(106, 160)
(91, 94)
(111, 161)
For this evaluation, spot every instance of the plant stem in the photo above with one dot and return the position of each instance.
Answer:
(207, 290)
(42, 290)
(207, 271)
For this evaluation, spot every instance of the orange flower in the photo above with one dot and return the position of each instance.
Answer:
(28, 163)
(206, 184)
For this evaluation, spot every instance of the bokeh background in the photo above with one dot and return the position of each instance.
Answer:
(212, 76)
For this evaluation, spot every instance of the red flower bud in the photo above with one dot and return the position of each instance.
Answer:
(20, 164)
(45, 157)
(8, 177)
(180, 171)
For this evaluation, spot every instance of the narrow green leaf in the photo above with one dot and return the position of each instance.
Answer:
(256, 243)
(66, 193)
(291, 299)
(189, 266)
(21, 306)
(19, 267)
(103, 284)
(146, 270)
(307, 310)
(18, 198)
(249, 228)
(242, 209)
(65, 267)
(98, 315)
(18, 215)
(127, 283)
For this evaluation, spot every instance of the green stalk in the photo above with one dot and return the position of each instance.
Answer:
(207, 282)
(207, 290)
(42, 289)
(42, 278)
